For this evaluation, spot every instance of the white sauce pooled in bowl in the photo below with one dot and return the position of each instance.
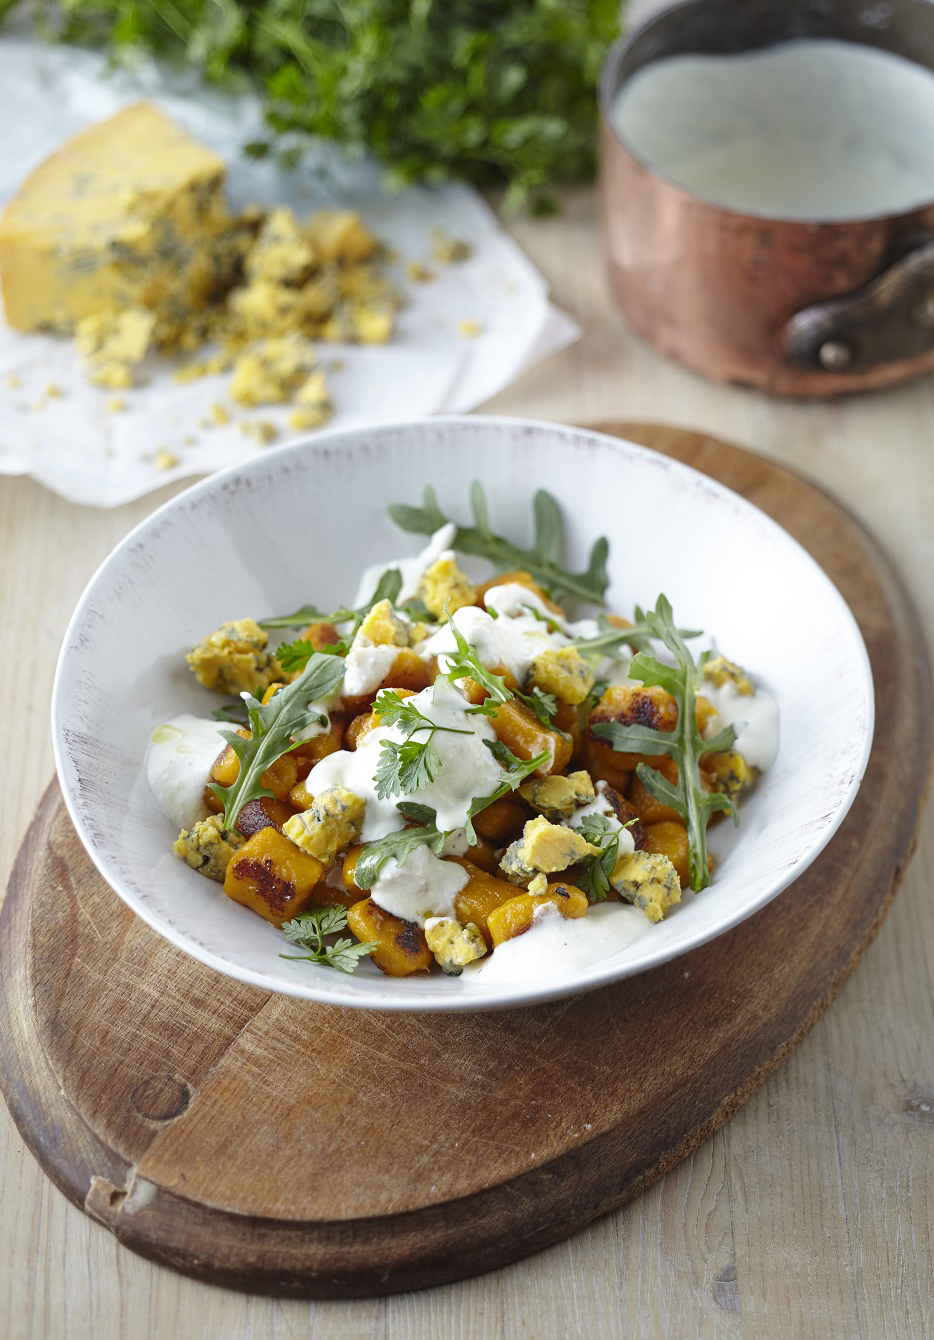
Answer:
(423, 887)
(178, 762)
(553, 947)
(755, 717)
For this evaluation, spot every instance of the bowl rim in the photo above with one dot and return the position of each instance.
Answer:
(600, 974)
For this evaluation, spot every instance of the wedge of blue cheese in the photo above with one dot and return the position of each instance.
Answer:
(123, 239)
(130, 213)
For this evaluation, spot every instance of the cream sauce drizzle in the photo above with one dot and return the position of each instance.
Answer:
(421, 888)
(804, 130)
(178, 764)
(756, 719)
(468, 769)
(553, 947)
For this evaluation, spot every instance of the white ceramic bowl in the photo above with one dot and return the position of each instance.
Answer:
(299, 524)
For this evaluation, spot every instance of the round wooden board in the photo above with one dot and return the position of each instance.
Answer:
(272, 1145)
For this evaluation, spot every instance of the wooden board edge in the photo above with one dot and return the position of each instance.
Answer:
(99, 1182)
(22, 1055)
(311, 1260)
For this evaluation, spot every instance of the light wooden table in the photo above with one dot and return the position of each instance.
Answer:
(812, 1212)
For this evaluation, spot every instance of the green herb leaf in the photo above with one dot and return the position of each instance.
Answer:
(503, 754)
(488, 708)
(596, 870)
(417, 610)
(404, 768)
(388, 588)
(236, 713)
(308, 932)
(399, 845)
(610, 637)
(596, 829)
(407, 767)
(635, 739)
(544, 705)
(518, 770)
(294, 656)
(542, 560)
(309, 929)
(465, 663)
(600, 687)
(419, 814)
(499, 95)
(406, 717)
(684, 744)
(272, 727)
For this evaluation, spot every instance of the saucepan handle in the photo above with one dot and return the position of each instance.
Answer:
(887, 321)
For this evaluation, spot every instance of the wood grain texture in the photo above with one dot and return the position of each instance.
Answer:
(224, 1132)
(811, 1212)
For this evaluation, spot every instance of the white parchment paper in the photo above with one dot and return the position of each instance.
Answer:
(72, 444)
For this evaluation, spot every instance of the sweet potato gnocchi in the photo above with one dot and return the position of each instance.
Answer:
(447, 768)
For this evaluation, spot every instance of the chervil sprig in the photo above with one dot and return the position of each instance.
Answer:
(406, 717)
(272, 726)
(308, 932)
(295, 655)
(388, 588)
(414, 764)
(684, 744)
(543, 559)
(596, 870)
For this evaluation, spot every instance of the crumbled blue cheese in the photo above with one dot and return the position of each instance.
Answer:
(558, 798)
(648, 880)
(454, 945)
(332, 822)
(235, 658)
(209, 847)
(543, 848)
(411, 569)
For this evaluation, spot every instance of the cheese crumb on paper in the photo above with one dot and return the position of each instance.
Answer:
(161, 265)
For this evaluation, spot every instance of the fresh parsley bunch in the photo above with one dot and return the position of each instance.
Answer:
(500, 92)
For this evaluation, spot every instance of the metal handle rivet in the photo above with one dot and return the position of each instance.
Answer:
(834, 355)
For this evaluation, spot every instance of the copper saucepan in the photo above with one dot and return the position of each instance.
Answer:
(789, 307)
